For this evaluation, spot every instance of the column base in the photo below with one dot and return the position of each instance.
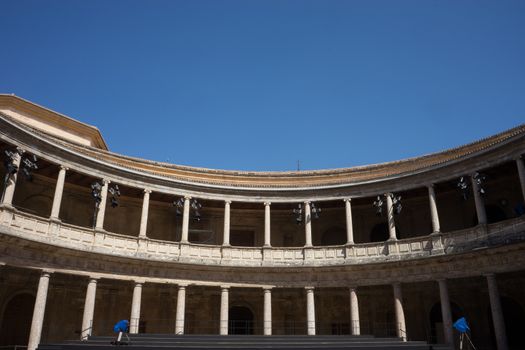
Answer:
(55, 220)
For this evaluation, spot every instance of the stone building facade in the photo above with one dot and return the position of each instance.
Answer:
(202, 251)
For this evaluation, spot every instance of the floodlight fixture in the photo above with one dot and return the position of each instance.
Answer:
(378, 204)
(299, 214)
(480, 179)
(464, 187)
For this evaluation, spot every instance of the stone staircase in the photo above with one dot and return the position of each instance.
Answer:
(246, 342)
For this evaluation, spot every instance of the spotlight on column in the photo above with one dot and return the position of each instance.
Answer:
(196, 206)
(315, 211)
(179, 206)
(96, 193)
(464, 187)
(396, 203)
(299, 214)
(9, 162)
(28, 166)
(10, 165)
(480, 178)
(378, 204)
(115, 193)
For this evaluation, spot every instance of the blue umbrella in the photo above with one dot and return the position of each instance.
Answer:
(461, 325)
(121, 326)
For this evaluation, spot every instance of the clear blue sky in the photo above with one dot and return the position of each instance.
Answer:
(258, 85)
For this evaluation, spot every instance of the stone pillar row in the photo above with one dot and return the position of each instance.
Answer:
(89, 309)
(8, 194)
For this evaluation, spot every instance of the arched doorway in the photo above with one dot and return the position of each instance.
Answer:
(436, 321)
(514, 317)
(16, 320)
(334, 236)
(241, 320)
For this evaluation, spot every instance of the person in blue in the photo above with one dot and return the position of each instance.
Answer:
(121, 327)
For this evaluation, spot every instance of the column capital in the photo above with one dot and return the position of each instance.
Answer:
(489, 274)
(307, 202)
(224, 287)
(267, 289)
(354, 288)
(431, 185)
(182, 285)
(93, 279)
(139, 281)
(106, 181)
(147, 190)
(267, 204)
(347, 200)
(309, 288)
(46, 273)
(63, 167)
(227, 201)
(187, 198)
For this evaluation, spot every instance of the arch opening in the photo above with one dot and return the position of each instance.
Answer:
(240, 320)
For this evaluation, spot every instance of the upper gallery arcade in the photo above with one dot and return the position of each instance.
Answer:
(169, 203)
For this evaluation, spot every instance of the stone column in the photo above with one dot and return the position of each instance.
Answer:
(310, 311)
(480, 205)
(59, 190)
(181, 309)
(390, 215)
(89, 309)
(355, 326)
(521, 173)
(445, 312)
(267, 225)
(497, 313)
(185, 220)
(226, 231)
(38, 311)
(349, 225)
(400, 314)
(135, 309)
(433, 209)
(9, 191)
(267, 311)
(307, 224)
(144, 216)
(102, 207)
(223, 326)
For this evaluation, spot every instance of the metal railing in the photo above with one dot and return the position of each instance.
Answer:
(248, 327)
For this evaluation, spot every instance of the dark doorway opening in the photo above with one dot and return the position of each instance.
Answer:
(16, 320)
(241, 320)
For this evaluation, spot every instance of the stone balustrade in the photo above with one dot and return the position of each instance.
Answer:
(34, 228)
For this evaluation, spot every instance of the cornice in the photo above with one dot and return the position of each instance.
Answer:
(279, 181)
(15, 102)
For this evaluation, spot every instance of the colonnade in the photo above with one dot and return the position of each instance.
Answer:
(179, 327)
(99, 223)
